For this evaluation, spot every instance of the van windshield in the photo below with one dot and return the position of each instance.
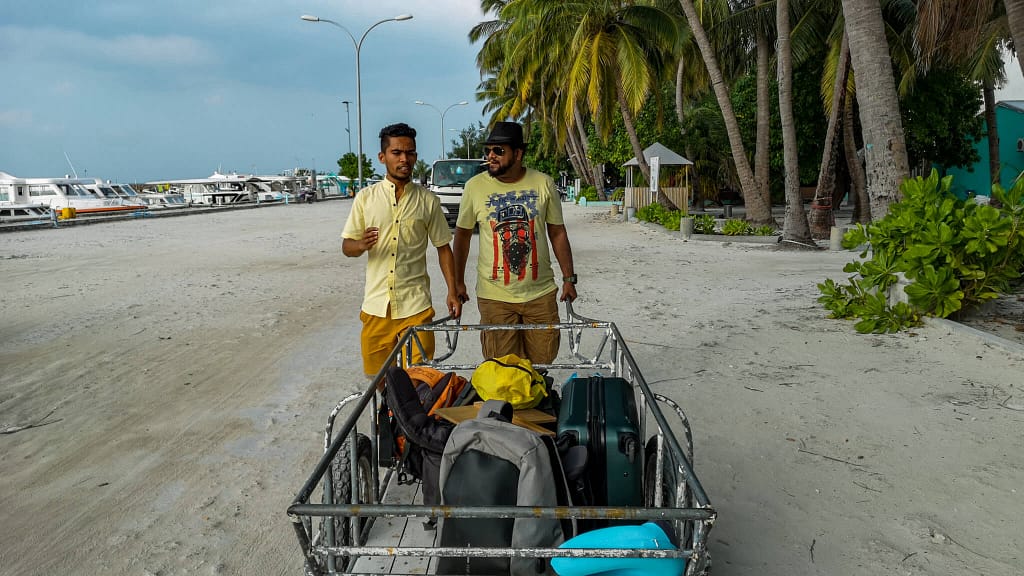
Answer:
(448, 173)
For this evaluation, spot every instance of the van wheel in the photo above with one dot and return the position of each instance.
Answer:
(341, 481)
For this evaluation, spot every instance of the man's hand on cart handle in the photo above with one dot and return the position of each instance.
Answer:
(454, 302)
(568, 291)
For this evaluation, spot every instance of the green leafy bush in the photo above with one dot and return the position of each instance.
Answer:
(955, 254)
(763, 231)
(587, 191)
(737, 228)
(658, 214)
(704, 224)
(619, 194)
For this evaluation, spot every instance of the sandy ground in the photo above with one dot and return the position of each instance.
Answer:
(165, 383)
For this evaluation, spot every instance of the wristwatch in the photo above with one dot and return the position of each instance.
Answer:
(573, 279)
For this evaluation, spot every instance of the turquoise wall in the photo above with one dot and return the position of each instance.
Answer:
(1010, 121)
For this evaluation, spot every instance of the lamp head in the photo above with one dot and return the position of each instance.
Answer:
(420, 102)
(463, 103)
(401, 17)
(309, 18)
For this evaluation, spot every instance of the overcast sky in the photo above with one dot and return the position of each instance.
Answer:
(135, 90)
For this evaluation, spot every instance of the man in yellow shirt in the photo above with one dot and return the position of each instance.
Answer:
(519, 212)
(392, 221)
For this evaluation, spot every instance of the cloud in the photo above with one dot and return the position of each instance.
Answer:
(15, 118)
(132, 49)
(155, 50)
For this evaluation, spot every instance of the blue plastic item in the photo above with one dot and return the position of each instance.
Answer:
(648, 536)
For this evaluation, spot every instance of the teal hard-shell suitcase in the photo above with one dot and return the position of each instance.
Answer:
(601, 414)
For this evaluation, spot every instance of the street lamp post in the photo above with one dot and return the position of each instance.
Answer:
(359, 92)
(348, 124)
(422, 103)
(465, 142)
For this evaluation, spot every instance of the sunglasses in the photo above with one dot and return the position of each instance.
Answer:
(499, 151)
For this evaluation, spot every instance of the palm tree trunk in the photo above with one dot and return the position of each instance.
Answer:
(762, 146)
(758, 211)
(794, 227)
(989, 92)
(822, 218)
(885, 151)
(680, 71)
(858, 182)
(588, 171)
(575, 152)
(1015, 20)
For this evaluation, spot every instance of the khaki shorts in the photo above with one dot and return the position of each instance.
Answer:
(381, 335)
(537, 346)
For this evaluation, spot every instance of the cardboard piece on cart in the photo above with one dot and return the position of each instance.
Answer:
(531, 418)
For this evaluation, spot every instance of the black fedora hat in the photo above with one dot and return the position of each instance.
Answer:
(510, 133)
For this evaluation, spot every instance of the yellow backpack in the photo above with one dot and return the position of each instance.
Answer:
(512, 379)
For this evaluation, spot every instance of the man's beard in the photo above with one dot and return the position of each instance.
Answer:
(398, 177)
(501, 170)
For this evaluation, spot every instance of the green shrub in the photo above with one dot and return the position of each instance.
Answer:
(587, 191)
(658, 214)
(704, 224)
(955, 254)
(619, 194)
(737, 228)
(763, 231)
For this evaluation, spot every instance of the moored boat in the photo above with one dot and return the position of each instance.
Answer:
(61, 193)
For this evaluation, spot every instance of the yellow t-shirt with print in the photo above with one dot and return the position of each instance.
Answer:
(514, 263)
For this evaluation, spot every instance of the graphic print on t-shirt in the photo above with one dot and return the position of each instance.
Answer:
(513, 220)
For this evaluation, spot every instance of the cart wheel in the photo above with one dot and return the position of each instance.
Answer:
(668, 486)
(341, 480)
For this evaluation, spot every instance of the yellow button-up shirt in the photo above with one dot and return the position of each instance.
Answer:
(396, 269)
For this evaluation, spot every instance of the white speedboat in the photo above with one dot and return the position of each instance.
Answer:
(220, 189)
(61, 193)
(115, 193)
(14, 203)
(163, 200)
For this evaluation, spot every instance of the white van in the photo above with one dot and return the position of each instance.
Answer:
(448, 179)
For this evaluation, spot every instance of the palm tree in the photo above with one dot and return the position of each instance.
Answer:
(762, 146)
(885, 151)
(1015, 21)
(971, 35)
(608, 54)
(795, 228)
(522, 100)
(758, 209)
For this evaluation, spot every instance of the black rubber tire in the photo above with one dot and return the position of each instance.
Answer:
(668, 483)
(341, 481)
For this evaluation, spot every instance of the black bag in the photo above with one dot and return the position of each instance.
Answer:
(425, 435)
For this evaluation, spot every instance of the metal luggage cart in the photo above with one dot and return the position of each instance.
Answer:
(357, 514)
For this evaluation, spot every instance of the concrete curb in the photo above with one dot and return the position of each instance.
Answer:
(746, 239)
(987, 338)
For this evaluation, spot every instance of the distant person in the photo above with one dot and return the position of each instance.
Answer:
(519, 213)
(392, 220)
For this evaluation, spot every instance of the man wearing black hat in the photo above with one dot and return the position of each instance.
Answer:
(519, 213)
